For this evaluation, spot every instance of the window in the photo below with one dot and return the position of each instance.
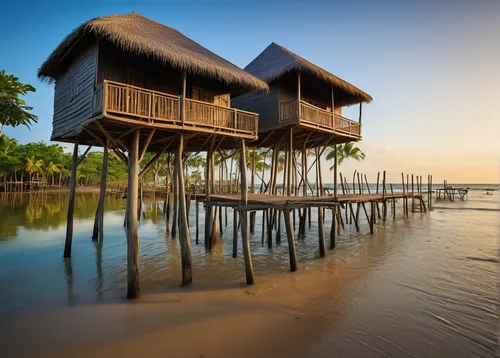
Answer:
(201, 94)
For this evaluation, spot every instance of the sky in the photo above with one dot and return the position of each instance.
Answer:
(432, 68)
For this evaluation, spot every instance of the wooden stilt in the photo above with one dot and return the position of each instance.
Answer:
(184, 234)
(335, 184)
(376, 203)
(208, 188)
(221, 230)
(99, 214)
(264, 216)
(270, 223)
(412, 195)
(372, 212)
(197, 215)
(176, 184)
(71, 203)
(278, 230)
(291, 241)
(243, 216)
(393, 205)
(357, 216)
(235, 232)
(321, 232)
(133, 290)
(333, 230)
(214, 235)
(253, 214)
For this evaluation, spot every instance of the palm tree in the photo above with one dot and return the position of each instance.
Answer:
(51, 170)
(344, 152)
(33, 166)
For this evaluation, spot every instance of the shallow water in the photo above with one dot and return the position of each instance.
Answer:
(422, 286)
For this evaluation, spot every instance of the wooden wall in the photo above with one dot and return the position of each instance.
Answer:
(137, 70)
(266, 105)
(73, 92)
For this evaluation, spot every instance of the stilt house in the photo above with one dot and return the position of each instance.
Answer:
(134, 85)
(302, 96)
(116, 73)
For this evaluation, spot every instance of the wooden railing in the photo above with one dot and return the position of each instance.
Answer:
(220, 118)
(122, 99)
(315, 115)
(346, 125)
(310, 114)
(135, 101)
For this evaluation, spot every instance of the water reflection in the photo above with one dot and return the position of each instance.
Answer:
(46, 211)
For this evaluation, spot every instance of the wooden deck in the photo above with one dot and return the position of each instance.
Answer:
(119, 99)
(265, 201)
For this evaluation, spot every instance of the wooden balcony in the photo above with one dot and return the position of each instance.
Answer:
(119, 100)
(295, 112)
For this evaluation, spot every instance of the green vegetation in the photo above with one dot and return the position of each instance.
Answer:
(344, 152)
(13, 109)
(48, 165)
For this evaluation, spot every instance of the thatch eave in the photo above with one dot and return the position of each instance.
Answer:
(138, 35)
(276, 61)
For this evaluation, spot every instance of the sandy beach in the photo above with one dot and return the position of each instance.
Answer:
(425, 286)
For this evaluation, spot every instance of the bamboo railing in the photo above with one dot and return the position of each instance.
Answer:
(222, 118)
(123, 99)
(310, 114)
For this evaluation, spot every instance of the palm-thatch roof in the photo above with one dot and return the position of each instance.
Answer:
(139, 35)
(276, 61)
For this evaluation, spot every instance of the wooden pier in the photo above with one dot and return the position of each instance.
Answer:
(449, 192)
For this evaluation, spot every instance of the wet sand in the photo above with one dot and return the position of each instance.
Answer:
(425, 286)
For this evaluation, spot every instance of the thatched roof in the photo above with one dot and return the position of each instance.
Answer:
(276, 61)
(139, 35)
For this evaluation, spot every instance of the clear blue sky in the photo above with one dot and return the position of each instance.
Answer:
(432, 67)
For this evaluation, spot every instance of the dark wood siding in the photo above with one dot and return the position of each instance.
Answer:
(266, 105)
(73, 94)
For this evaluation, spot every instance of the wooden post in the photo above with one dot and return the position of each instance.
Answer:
(412, 195)
(183, 98)
(289, 164)
(243, 216)
(167, 215)
(404, 193)
(360, 111)
(430, 192)
(208, 187)
(184, 235)
(335, 184)
(71, 204)
(252, 221)
(133, 290)
(372, 212)
(383, 195)
(235, 232)
(321, 232)
(291, 241)
(197, 212)
(99, 214)
(333, 230)
(333, 112)
(393, 204)
(176, 184)
(378, 181)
